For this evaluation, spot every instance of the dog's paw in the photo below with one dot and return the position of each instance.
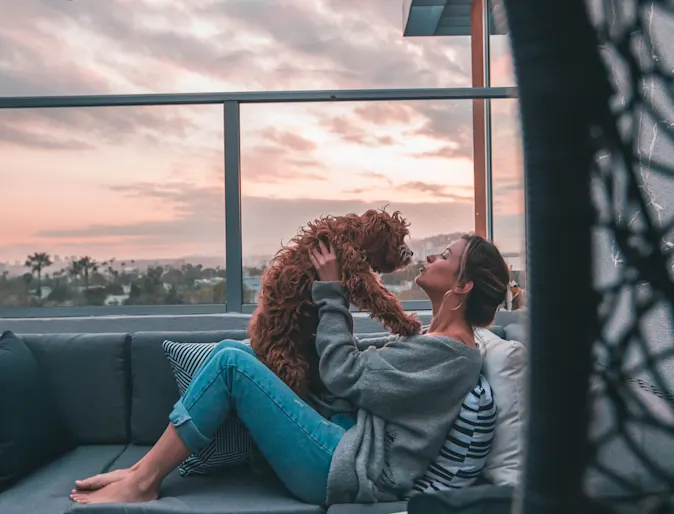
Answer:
(407, 327)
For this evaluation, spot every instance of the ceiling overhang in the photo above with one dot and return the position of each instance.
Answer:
(443, 18)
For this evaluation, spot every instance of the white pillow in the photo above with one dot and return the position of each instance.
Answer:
(504, 364)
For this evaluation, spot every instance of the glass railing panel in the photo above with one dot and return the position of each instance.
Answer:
(301, 161)
(501, 69)
(112, 206)
(508, 186)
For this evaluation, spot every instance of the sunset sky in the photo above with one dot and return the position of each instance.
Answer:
(148, 182)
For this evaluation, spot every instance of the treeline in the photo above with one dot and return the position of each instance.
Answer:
(86, 281)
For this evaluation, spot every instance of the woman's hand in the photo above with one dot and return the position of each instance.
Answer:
(325, 262)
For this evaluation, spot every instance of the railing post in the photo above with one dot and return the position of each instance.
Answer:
(233, 242)
(486, 51)
(477, 49)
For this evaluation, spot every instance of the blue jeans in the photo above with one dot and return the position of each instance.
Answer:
(297, 442)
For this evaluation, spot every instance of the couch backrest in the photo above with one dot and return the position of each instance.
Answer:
(516, 332)
(119, 388)
(512, 326)
(88, 377)
(154, 389)
(504, 318)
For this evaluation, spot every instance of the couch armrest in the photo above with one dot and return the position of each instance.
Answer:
(482, 499)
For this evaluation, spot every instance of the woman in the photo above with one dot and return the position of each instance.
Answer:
(407, 392)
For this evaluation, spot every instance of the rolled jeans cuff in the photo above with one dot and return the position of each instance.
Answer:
(187, 430)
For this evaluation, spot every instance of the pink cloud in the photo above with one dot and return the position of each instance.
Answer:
(149, 180)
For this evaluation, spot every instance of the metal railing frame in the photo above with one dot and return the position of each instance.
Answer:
(486, 46)
(231, 103)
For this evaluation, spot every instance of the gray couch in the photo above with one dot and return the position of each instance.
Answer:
(115, 392)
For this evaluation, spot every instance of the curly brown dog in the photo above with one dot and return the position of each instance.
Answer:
(283, 327)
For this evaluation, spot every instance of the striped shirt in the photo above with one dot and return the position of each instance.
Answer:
(465, 451)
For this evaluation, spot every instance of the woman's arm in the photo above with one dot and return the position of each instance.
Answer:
(341, 364)
(377, 340)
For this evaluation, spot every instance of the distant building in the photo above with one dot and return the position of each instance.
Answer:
(208, 281)
(257, 261)
(253, 285)
(115, 299)
(399, 288)
(45, 291)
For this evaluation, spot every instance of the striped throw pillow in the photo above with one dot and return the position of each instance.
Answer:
(465, 451)
(232, 444)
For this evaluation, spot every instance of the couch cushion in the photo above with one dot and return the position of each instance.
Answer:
(504, 317)
(236, 491)
(46, 491)
(516, 332)
(30, 431)
(154, 389)
(88, 376)
(484, 499)
(369, 508)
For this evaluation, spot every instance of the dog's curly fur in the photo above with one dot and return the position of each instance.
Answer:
(283, 327)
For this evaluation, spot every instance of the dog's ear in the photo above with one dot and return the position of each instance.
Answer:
(375, 230)
(372, 221)
(343, 230)
(380, 227)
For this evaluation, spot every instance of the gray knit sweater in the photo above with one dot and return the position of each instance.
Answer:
(407, 393)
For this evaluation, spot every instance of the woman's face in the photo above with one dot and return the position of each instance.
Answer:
(439, 274)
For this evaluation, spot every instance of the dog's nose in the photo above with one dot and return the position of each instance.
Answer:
(411, 253)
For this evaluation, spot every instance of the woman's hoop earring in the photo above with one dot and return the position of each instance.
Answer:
(458, 306)
(447, 295)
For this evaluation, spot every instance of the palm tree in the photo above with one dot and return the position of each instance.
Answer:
(57, 277)
(87, 266)
(110, 270)
(37, 262)
(73, 269)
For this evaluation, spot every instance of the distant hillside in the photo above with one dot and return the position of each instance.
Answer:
(432, 244)
(420, 247)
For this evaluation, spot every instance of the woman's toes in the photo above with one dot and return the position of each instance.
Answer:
(88, 483)
(79, 496)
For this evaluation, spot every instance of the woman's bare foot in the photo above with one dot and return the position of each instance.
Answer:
(139, 483)
(99, 481)
(128, 489)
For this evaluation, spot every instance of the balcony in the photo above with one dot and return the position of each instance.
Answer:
(149, 204)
